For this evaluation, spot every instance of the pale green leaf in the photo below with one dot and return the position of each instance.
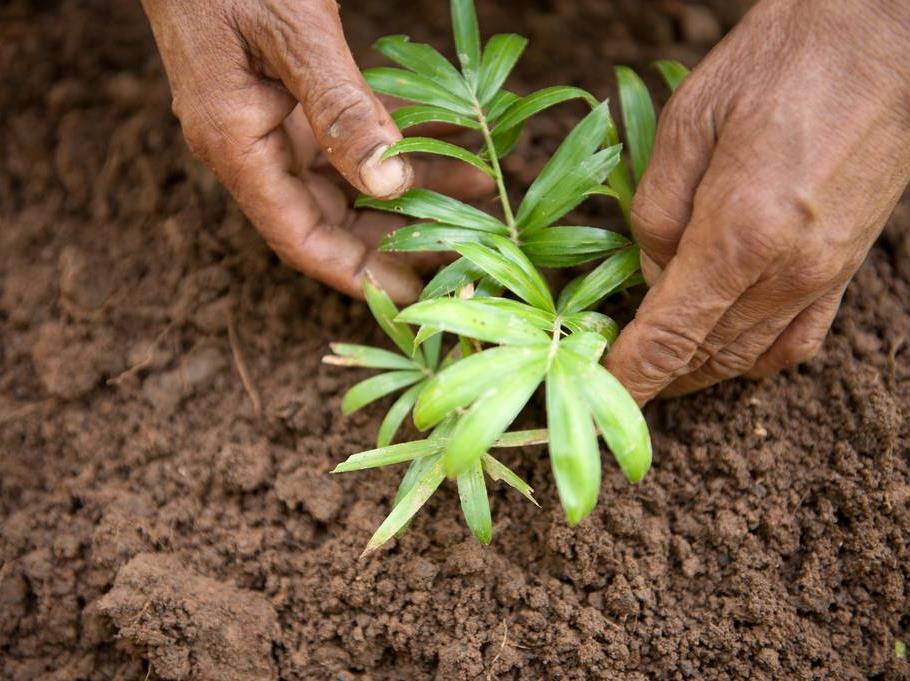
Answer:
(415, 88)
(522, 438)
(594, 322)
(672, 72)
(461, 383)
(430, 205)
(532, 290)
(600, 282)
(499, 58)
(472, 492)
(474, 320)
(574, 454)
(568, 246)
(542, 319)
(499, 471)
(429, 145)
(450, 278)
(385, 311)
(397, 414)
(586, 345)
(638, 118)
(521, 109)
(390, 454)
(431, 236)
(350, 355)
(467, 38)
(376, 387)
(424, 60)
(489, 416)
(418, 114)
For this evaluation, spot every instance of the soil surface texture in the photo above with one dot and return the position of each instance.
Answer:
(160, 520)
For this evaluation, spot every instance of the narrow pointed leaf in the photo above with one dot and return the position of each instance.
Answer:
(424, 60)
(451, 278)
(429, 205)
(499, 58)
(472, 492)
(467, 38)
(349, 354)
(409, 504)
(574, 454)
(424, 333)
(429, 145)
(638, 117)
(507, 273)
(461, 383)
(385, 311)
(620, 422)
(487, 288)
(390, 454)
(567, 246)
(586, 345)
(522, 438)
(672, 72)
(418, 114)
(397, 414)
(600, 282)
(474, 320)
(430, 236)
(542, 319)
(525, 107)
(419, 466)
(594, 322)
(499, 471)
(489, 416)
(432, 344)
(512, 252)
(376, 387)
(500, 103)
(415, 88)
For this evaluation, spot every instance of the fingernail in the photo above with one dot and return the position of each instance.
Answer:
(384, 179)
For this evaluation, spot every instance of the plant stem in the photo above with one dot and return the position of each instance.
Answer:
(497, 171)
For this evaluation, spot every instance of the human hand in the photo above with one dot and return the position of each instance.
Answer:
(775, 167)
(260, 90)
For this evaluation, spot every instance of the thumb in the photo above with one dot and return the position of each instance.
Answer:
(663, 201)
(306, 48)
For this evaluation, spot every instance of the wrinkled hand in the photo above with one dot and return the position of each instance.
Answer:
(775, 167)
(260, 89)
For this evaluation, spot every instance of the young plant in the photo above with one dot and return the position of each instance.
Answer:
(510, 334)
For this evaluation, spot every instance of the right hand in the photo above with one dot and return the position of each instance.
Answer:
(260, 89)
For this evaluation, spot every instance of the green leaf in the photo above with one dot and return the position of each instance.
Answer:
(575, 168)
(430, 236)
(430, 205)
(600, 282)
(672, 72)
(574, 454)
(492, 412)
(408, 505)
(488, 287)
(384, 311)
(415, 88)
(390, 454)
(501, 101)
(542, 319)
(593, 322)
(532, 290)
(451, 278)
(523, 108)
(472, 492)
(474, 320)
(638, 118)
(499, 471)
(418, 114)
(499, 58)
(350, 355)
(513, 253)
(429, 145)
(424, 60)
(397, 414)
(431, 347)
(460, 384)
(586, 345)
(568, 246)
(376, 387)
(620, 421)
(467, 38)
(522, 438)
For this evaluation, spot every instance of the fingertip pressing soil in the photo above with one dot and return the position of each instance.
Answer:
(160, 520)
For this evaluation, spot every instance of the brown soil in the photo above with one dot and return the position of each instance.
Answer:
(157, 519)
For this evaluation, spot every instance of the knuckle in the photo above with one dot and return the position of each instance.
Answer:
(340, 110)
(665, 351)
(800, 348)
(729, 362)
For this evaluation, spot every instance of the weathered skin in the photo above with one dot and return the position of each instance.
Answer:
(261, 88)
(775, 168)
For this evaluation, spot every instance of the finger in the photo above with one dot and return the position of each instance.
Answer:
(306, 48)
(732, 360)
(675, 318)
(663, 201)
(802, 338)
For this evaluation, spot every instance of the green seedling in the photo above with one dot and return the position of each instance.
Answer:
(508, 333)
